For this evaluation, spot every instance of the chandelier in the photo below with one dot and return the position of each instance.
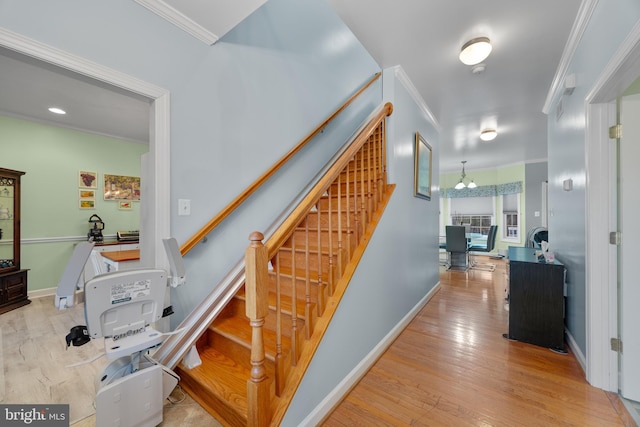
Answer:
(460, 185)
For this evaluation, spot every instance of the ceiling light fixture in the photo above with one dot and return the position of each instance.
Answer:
(475, 51)
(460, 185)
(488, 134)
(56, 110)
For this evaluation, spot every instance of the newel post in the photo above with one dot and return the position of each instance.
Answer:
(257, 306)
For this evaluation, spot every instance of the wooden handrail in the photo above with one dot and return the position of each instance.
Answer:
(226, 211)
(284, 231)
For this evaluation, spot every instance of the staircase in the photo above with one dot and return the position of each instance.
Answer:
(256, 350)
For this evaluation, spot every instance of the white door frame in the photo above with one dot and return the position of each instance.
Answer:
(155, 207)
(602, 304)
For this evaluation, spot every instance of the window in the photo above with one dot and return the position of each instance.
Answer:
(476, 213)
(476, 223)
(511, 217)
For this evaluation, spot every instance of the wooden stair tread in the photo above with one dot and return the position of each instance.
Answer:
(238, 330)
(285, 303)
(219, 383)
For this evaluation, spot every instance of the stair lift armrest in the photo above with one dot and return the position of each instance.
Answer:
(65, 293)
(177, 270)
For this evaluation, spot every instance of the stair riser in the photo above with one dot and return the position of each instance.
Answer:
(270, 320)
(347, 237)
(286, 288)
(324, 215)
(238, 352)
(285, 260)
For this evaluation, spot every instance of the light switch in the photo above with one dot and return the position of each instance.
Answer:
(184, 207)
(536, 214)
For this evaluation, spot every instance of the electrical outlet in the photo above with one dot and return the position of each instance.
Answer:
(184, 207)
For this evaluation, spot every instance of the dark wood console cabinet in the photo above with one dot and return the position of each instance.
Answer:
(536, 300)
(13, 280)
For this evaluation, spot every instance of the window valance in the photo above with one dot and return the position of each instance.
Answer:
(485, 190)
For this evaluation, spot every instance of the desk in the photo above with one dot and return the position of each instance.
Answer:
(121, 260)
(536, 300)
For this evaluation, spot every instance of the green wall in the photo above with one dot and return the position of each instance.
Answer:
(52, 222)
(492, 177)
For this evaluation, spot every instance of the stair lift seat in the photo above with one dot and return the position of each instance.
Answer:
(122, 307)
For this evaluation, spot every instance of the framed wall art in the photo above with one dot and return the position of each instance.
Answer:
(87, 204)
(85, 194)
(119, 187)
(422, 169)
(87, 179)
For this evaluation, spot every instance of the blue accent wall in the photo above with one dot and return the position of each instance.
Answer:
(609, 25)
(237, 107)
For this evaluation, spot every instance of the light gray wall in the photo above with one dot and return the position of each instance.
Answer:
(238, 106)
(399, 267)
(608, 27)
(535, 174)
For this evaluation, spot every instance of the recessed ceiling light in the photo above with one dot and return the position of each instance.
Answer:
(488, 134)
(475, 51)
(56, 110)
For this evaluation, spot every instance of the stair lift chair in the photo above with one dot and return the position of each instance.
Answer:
(121, 307)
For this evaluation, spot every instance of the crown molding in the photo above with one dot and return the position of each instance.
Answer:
(579, 26)
(180, 20)
(403, 78)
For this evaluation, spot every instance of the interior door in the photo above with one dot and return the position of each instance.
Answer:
(629, 249)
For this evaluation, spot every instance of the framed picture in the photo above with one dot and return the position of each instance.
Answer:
(85, 194)
(87, 204)
(422, 169)
(88, 179)
(124, 205)
(119, 187)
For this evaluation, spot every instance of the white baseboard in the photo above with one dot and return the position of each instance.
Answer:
(47, 292)
(573, 345)
(316, 416)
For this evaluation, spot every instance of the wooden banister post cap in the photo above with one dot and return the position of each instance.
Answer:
(389, 108)
(256, 236)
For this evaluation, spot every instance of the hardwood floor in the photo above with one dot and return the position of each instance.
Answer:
(452, 367)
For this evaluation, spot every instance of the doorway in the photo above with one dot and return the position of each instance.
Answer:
(155, 175)
(604, 367)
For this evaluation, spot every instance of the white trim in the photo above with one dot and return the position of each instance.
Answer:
(316, 416)
(180, 20)
(575, 348)
(601, 283)
(403, 78)
(159, 142)
(579, 26)
(47, 292)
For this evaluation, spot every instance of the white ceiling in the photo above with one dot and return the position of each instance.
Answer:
(422, 36)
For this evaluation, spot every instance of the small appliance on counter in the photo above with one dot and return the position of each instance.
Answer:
(95, 229)
(128, 236)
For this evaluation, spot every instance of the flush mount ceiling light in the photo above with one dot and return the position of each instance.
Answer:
(460, 185)
(56, 110)
(488, 134)
(475, 51)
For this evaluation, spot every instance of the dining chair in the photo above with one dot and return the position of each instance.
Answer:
(457, 247)
(490, 245)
